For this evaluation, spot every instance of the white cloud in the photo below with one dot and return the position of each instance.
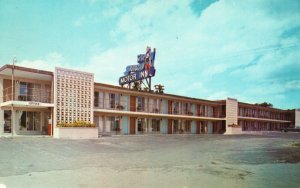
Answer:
(227, 37)
(219, 95)
(205, 53)
(191, 89)
(215, 69)
(48, 63)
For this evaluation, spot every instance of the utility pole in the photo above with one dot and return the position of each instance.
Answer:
(12, 96)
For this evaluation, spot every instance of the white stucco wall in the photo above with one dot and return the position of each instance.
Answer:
(231, 111)
(297, 117)
(232, 116)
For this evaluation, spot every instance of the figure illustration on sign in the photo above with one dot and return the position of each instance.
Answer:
(148, 59)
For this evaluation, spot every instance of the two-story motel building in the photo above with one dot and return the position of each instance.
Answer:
(40, 99)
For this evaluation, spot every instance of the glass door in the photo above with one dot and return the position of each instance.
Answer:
(7, 121)
(30, 121)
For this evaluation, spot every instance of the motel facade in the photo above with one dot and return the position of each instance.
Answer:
(36, 102)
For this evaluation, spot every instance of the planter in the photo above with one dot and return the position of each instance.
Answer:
(233, 130)
(76, 132)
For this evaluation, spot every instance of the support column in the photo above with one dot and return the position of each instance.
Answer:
(15, 122)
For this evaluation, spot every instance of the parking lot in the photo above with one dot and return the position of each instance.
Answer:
(269, 160)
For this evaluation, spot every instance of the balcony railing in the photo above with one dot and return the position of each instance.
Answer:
(246, 112)
(125, 105)
(35, 95)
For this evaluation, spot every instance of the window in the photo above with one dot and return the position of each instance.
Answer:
(115, 123)
(155, 125)
(23, 88)
(30, 92)
(96, 99)
(175, 107)
(202, 110)
(114, 100)
(140, 103)
(186, 108)
(47, 94)
(155, 106)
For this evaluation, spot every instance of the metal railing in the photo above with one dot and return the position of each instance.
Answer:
(124, 105)
(248, 112)
(32, 94)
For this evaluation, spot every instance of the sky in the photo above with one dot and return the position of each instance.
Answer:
(208, 49)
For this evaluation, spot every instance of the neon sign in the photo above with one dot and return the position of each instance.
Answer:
(143, 70)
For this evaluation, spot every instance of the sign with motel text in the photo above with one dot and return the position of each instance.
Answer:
(143, 70)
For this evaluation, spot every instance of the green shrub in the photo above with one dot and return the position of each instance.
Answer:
(76, 124)
(233, 125)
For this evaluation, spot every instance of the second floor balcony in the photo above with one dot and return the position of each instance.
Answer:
(35, 94)
(125, 104)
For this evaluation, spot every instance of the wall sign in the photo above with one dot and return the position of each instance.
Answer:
(33, 103)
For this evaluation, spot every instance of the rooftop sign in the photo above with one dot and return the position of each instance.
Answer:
(143, 70)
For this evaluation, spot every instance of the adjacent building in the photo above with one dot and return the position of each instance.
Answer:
(35, 102)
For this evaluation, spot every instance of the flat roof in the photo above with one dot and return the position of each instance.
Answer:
(24, 72)
(262, 107)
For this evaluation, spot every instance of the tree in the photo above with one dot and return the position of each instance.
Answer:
(265, 104)
(159, 88)
(136, 86)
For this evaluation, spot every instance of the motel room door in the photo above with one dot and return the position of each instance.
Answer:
(169, 107)
(198, 127)
(132, 103)
(170, 126)
(132, 125)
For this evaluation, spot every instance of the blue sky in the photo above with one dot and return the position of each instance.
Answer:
(249, 50)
